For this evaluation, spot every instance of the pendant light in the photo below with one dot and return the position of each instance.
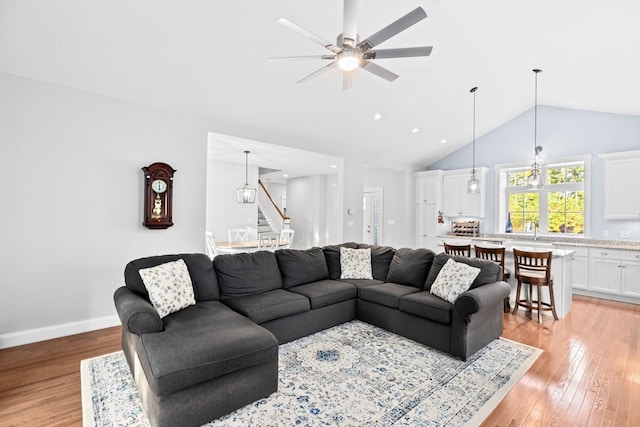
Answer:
(473, 185)
(535, 181)
(246, 193)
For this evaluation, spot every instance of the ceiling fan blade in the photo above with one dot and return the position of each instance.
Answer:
(308, 34)
(403, 52)
(347, 79)
(350, 21)
(379, 71)
(318, 72)
(300, 58)
(411, 18)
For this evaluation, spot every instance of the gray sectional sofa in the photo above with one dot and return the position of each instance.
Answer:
(221, 353)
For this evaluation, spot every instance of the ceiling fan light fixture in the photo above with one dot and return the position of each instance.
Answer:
(349, 60)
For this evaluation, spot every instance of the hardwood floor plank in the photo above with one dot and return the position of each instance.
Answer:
(588, 374)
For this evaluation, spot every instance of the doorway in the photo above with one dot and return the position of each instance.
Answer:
(372, 203)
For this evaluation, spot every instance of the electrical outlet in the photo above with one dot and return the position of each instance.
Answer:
(605, 233)
(624, 234)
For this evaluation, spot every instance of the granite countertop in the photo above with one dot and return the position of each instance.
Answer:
(554, 240)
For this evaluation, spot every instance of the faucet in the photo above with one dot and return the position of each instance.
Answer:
(535, 231)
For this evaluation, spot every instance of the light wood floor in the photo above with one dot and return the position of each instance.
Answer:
(588, 375)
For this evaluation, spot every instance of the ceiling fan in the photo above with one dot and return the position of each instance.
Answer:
(350, 53)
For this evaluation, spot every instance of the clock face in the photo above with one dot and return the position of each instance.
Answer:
(159, 186)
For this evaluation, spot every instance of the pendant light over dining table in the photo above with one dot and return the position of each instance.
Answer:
(246, 193)
(535, 180)
(473, 185)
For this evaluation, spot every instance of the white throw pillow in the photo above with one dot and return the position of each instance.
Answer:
(355, 263)
(169, 286)
(453, 279)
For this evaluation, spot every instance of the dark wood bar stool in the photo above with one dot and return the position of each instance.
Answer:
(464, 250)
(534, 269)
(495, 254)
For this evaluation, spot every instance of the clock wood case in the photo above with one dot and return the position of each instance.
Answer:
(158, 195)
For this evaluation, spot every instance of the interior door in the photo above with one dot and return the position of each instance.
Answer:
(372, 216)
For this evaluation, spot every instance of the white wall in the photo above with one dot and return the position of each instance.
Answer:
(306, 205)
(72, 199)
(223, 210)
(397, 207)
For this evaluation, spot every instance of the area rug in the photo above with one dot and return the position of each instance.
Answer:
(354, 374)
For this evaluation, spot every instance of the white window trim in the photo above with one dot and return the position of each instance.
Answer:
(500, 191)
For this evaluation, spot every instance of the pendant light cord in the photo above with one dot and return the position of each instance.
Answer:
(535, 120)
(473, 168)
(246, 168)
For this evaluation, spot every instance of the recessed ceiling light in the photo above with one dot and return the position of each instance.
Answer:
(334, 166)
(377, 116)
(285, 175)
(443, 141)
(415, 130)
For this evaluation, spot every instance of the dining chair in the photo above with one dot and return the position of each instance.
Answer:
(212, 251)
(534, 269)
(464, 250)
(495, 254)
(286, 236)
(238, 234)
(268, 241)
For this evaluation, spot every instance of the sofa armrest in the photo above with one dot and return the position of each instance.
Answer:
(477, 299)
(136, 313)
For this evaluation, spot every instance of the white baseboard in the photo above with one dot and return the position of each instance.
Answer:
(56, 331)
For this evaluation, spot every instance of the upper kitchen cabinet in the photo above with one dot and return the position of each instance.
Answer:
(455, 199)
(427, 187)
(622, 185)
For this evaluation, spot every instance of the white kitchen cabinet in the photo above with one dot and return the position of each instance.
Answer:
(580, 266)
(615, 272)
(455, 199)
(621, 189)
(428, 200)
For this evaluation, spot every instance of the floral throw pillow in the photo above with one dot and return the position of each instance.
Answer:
(169, 287)
(355, 263)
(453, 279)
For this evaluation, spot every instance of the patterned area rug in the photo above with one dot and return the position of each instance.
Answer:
(353, 374)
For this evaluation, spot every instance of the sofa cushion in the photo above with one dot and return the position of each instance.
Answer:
(247, 273)
(388, 294)
(301, 266)
(269, 305)
(201, 342)
(489, 270)
(332, 256)
(355, 263)
(427, 305)
(381, 257)
(326, 292)
(169, 286)
(454, 279)
(203, 277)
(362, 283)
(410, 266)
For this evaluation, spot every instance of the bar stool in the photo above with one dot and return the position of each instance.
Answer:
(464, 250)
(534, 269)
(495, 254)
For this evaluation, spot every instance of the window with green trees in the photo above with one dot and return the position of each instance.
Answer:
(559, 207)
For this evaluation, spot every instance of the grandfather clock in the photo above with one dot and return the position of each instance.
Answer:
(158, 195)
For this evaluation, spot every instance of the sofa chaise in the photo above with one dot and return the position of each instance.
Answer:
(219, 351)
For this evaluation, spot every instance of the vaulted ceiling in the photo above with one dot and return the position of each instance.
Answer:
(210, 58)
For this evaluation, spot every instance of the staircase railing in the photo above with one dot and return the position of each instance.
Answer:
(272, 210)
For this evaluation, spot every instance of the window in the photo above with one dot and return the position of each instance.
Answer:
(558, 208)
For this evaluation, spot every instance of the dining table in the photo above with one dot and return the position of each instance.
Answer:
(245, 246)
